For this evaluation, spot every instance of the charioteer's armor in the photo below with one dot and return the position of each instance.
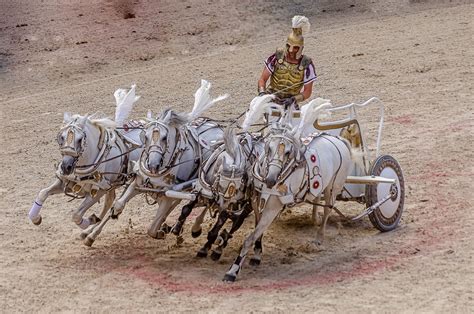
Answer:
(287, 78)
(291, 74)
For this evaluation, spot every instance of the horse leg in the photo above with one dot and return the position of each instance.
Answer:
(256, 259)
(225, 236)
(77, 214)
(89, 240)
(328, 203)
(164, 209)
(212, 235)
(109, 199)
(34, 213)
(185, 212)
(272, 207)
(315, 219)
(196, 229)
(119, 204)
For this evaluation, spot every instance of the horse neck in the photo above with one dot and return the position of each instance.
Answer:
(172, 143)
(211, 173)
(91, 151)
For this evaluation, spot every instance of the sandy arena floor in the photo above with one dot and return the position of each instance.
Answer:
(416, 56)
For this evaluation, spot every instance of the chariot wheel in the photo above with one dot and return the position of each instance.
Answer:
(386, 216)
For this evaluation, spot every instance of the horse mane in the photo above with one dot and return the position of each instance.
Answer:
(230, 142)
(99, 122)
(173, 118)
(104, 122)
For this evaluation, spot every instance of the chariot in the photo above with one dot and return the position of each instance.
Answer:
(378, 180)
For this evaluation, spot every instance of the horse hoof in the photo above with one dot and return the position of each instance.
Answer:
(202, 253)
(215, 256)
(176, 230)
(160, 235)
(179, 240)
(88, 241)
(165, 228)
(229, 278)
(37, 221)
(156, 235)
(196, 234)
(254, 262)
(94, 219)
(114, 216)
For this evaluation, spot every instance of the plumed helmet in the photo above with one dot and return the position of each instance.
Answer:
(299, 24)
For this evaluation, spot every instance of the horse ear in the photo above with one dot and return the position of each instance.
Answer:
(67, 117)
(82, 121)
(167, 117)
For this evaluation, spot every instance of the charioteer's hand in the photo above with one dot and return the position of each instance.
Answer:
(287, 102)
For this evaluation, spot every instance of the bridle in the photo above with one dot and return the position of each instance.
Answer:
(67, 146)
(287, 167)
(229, 184)
(232, 182)
(156, 147)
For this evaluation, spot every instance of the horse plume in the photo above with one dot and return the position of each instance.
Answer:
(125, 100)
(312, 111)
(203, 101)
(257, 108)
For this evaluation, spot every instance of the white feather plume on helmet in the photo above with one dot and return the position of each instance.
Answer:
(300, 21)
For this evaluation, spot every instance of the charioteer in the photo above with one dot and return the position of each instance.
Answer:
(290, 72)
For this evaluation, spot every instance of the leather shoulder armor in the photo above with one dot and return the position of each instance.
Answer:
(305, 61)
(280, 55)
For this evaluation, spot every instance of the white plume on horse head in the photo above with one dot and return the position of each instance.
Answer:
(257, 108)
(203, 100)
(299, 21)
(313, 110)
(124, 103)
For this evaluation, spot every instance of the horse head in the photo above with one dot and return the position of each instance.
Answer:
(79, 139)
(232, 173)
(282, 150)
(72, 141)
(160, 137)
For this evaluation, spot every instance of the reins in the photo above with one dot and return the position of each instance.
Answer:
(106, 160)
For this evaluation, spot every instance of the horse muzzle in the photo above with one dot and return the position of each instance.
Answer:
(270, 182)
(154, 164)
(68, 165)
(272, 175)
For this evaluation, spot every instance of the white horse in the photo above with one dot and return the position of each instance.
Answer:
(175, 146)
(224, 188)
(290, 172)
(95, 159)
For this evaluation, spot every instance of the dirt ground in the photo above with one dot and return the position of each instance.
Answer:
(416, 56)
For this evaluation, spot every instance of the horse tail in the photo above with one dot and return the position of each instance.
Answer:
(357, 156)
